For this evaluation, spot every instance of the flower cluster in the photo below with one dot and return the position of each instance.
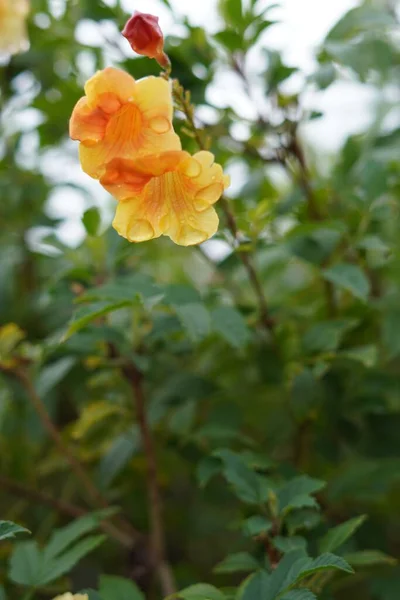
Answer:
(13, 35)
(128, 143)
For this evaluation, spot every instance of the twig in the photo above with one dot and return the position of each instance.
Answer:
(182, 99)
(158, 543)
(129, 534)
(28, 493)
(61, 506)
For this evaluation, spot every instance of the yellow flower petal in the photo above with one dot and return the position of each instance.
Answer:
(13, 35)
(122, 118)
(170, 193)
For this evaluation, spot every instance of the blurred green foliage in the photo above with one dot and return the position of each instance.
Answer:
(272, 442)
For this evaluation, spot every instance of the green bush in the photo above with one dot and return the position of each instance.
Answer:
(171, 419)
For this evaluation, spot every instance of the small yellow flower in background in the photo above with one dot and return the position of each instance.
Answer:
(122, 118)
(169, 193)
(70, 596)
(13, 34)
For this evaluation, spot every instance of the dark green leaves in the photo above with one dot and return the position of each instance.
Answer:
(9, 530)
(112, 587)
(296, 493)
(239, 562)
(231, 325)
(350, 278)
(31, 566)
(246, 484)
(337, 536)
(201, 591)
(91, 220)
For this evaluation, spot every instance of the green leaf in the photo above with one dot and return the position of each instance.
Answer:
(256, 525)
(195, 318)
(62, 538)
(26, 564)
(56, 567)
(288, 544)
(299, 595)
(335, 537)
(391, 332)
(240, 561)
(369, 558)
(296, 493)
(230, 39)
(52, 374)
(325, 562)
(232, 12)
(349, 277)
(326, 336)
(118, 455)
(85, 315)
(231, 326)
(91, 220)
(207, 468)
(128, 288)
(255, 586)
(360, 19)
(201, 591)
(366, 355)
(118, 588)
(325, 75)
(8, 529)
(245, 483)
(285, 573)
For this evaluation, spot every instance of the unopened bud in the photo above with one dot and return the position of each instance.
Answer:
(145, 37)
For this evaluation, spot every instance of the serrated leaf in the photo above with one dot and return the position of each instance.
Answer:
(285, 573)
(296, 493)
(201, 591)
(229, 323)
(325, 562)
(369, 558)
(335, 537)
(119, 588)
(91, 220)
(8, 530)
(240, 561)
(195, 318)
(245, 483)
(351, 278)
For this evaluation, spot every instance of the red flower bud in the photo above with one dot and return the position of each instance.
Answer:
(145, 37)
